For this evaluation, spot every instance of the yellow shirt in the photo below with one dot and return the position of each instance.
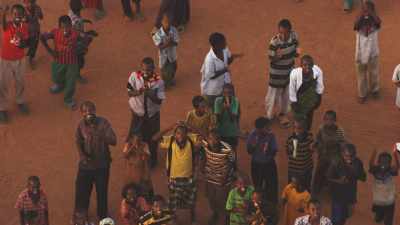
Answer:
(181, 160)
(203, 123)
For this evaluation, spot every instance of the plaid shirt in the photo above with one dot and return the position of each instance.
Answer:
(25, 204)
(66, 47)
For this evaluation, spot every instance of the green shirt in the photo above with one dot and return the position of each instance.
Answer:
(227, 126)
(236, 200)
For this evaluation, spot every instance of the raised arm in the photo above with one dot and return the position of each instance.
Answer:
(5, 22)
(157, 137)
(44, 38)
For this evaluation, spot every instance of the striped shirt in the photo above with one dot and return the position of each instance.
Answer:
(327, 141)
(300, 158)
(38, 210)
(219, 165)
(66, 47)
(279, 70)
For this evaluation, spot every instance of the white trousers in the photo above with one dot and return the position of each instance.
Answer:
(278, 96)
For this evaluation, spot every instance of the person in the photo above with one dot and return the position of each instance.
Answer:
(343, 177)
(367, 26)
(93, 137)
(295, 198)
(262, 146)
(384, 186)
(300, 154)
(261, 212)
(65, 68)
(227, 112)
(182, 14)
(396, 81)
(313, 216)
(219, 163)
(132, 206)
(238, 201)
(12, 64)
(159, 214)
(146, 94)
(305, 90)
(33, 16)
(32, 204)
(86, 37)
(98, 5)
(327, 146)
(181, 150)
(136, 153)
(166, 39)
(282, 52)
(200, 120)
(214, 71)
(127, 9)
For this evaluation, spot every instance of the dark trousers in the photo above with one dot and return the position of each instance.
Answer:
(307, 178)
(265, 178)
(33, 45)
(147, 127)
(83, 188)
(384, 213)
(309, 119)
(340, 212)
(182, 12)
(320, 179)
(127, 8)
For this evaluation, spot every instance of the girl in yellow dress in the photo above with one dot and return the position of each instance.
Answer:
(294, 200)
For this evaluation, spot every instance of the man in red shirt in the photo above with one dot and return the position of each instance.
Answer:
(64, 69)
(12, 65)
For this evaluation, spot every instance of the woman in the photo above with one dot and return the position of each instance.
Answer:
(132, 205)
(294, 200)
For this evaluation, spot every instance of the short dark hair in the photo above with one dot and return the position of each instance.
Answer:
(216, 39)
(385, 155)
(285, 23)
(307, 58)
(158, 198)
(64, 20)
(18, 7)
(196, 100)
(34, 179)
(301, 122)
(127, 187)
(350, 148)
(262, 122)
(181, 127)
(148, 61)
(331, 113)
(87, 104)
(314, 201)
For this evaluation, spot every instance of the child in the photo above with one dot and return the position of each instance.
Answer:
(132, 205)
(137, 154)
(227, 111)
(200, 120)
(396, 81)
(260, 212)
(344, 176)
(214, 71)
(159, 214)
(384, 189)
(86, 36)
(126, 6)
(33, 16)
(300, 154)
(166, 39)
(327, 144)
(295, 198)
(238, 201)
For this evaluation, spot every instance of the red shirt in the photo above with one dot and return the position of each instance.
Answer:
(10, 49)
(64, 46)
(25, 204)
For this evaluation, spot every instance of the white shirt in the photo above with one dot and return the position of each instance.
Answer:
(296, 80)
(211, 65)
(305, 220)
(137, 103)
(366, 47)
(167, 53)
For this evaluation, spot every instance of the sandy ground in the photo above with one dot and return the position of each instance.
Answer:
(43, 143)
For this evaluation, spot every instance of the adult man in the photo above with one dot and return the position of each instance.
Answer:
(93, 138)
(12, 64)
(282, 52)
(262, 146)
(314, 216)
(219, 163)
(65, 68)
(367, 26)
(181, 154)
(146, 93)
(305, 90)
(32, 204)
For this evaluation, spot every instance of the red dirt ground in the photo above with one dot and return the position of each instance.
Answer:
(43, 143)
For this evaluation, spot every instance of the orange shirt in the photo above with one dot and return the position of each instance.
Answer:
(10, 42)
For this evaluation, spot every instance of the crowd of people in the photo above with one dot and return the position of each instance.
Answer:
(203, 146)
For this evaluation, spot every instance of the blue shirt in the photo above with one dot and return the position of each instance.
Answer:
(262, 148)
